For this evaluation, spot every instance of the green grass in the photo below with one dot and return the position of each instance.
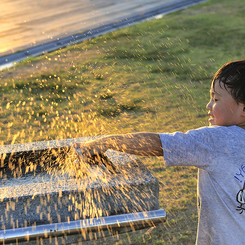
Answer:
(154, 76)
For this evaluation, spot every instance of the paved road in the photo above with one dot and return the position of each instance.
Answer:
(27, 23)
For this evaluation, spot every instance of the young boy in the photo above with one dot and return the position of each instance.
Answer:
(218, 151)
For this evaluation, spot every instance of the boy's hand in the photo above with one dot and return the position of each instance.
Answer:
(89, 149)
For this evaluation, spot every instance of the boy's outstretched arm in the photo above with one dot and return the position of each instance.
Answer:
(144, 144)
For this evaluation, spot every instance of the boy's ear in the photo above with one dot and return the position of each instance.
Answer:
(243, 112)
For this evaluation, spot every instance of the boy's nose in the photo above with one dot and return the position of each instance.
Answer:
(208, 106)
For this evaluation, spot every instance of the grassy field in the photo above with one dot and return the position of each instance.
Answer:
(154, 76)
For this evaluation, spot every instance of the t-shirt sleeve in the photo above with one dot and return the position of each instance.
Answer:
(193, 148)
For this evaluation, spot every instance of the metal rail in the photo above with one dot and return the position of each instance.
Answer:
(9, 60)
(140, 219)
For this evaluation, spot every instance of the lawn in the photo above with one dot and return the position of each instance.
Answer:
(154, 76)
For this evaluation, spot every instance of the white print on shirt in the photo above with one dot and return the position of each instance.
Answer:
(240, 197)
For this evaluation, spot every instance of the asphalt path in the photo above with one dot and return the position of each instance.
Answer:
(30, 28)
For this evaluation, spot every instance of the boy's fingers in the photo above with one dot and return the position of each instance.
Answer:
(87, 149)
(77, 145)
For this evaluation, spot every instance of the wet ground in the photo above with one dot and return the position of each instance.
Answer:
(26, 23)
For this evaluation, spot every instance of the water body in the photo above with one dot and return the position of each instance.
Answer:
(27, 23)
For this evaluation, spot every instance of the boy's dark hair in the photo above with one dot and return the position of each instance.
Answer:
(232, 76)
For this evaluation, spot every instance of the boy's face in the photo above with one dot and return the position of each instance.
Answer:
(223, 109)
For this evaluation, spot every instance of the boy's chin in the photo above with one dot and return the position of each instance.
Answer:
(213, 124)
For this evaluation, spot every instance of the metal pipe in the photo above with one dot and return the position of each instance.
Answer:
(145, 219)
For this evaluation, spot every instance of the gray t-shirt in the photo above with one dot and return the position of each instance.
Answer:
(219, 153)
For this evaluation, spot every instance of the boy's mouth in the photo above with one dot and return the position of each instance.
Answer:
(211, 118)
